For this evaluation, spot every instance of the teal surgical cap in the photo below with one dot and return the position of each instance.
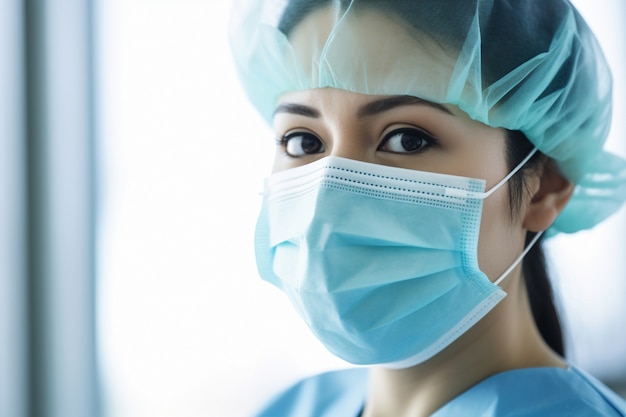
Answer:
(528, 65)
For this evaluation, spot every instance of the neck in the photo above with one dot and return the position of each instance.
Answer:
(505, 339)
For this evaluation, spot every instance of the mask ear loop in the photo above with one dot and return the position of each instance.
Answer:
(510, 174)
(454, 192)
(537, 236)
(519, 259)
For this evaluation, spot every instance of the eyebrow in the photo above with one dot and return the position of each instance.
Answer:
(298, 109)
(382, 105)
(369, 109)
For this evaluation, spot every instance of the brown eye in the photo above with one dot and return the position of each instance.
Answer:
(302, 143)
(406, 140)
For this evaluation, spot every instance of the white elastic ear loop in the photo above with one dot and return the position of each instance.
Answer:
(510, 174)
(519, 258)
(455, 192)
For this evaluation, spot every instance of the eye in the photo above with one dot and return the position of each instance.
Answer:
(301, 144)
(406, 140)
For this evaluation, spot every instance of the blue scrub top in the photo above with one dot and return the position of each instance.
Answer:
(528, 392)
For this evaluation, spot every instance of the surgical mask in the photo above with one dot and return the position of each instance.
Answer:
(380, 262)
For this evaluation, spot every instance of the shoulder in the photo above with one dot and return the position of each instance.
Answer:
(336, 393)
(538, 392)
(603, 392)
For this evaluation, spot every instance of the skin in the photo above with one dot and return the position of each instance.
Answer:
(321, 122)
(312, 124)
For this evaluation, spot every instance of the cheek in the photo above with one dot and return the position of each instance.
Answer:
(282, 161)
(501, 239)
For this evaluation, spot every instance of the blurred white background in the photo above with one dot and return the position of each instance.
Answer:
(186, 327)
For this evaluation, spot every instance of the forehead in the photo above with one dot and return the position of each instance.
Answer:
(331, 100)
(371, 52)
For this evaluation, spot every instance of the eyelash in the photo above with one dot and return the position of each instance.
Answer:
(287, 139)
(426, 140)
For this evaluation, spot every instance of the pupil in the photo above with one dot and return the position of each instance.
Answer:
(409, 142)
(310, 145)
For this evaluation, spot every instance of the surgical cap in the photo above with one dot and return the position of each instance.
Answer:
(527, 65)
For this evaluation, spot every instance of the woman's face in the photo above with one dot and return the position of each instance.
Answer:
(405, 132)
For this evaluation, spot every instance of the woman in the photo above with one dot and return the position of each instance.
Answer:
(423, 150)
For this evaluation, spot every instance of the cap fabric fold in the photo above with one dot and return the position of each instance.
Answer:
(528, 65)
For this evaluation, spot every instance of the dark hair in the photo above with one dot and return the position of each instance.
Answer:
(506, 42)
(511, 31)
(534, 267)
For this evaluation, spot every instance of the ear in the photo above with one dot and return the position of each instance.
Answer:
(549, 200)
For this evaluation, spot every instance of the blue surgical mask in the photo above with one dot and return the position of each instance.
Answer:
(380, 262)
